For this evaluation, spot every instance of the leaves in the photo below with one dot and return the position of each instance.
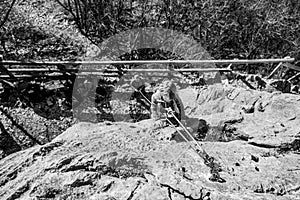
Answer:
(40, 30)
(226, 29)
(5, 9)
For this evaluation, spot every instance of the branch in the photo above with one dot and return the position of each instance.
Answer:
(7, 14)
(67, 8)
(77, 19)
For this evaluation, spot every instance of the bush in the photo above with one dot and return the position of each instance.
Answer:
(227, 29)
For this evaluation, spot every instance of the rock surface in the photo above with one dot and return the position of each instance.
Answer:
(130, 161)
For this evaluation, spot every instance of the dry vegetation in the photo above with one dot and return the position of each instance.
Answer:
(251, 133)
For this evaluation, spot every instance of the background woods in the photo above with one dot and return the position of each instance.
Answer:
(227, 29)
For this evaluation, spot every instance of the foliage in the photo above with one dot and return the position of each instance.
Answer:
(5, 9)
(35, 30)
(62, 29)
(227, 29)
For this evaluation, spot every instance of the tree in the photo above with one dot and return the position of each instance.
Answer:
(227, 29)
(38, 30)
(5, 9)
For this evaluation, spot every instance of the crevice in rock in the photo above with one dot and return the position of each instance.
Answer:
(64, 162)
(224, 132)
(171, 189)
(215, 167)
(10, 176)
(46, 149)
(14, 171)
(134, 190)
(47, 193)
(295, 189)
(268, 146)
(103, 169)
(170, 194)
(105, 188)
(278, 190)
(290, 147)
(79, 183)
(20, 191)
(61, 163)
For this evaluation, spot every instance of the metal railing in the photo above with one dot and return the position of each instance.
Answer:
(29, 68)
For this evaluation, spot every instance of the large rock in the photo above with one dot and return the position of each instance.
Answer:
(272, 118)
(131, 161)
(140, 161)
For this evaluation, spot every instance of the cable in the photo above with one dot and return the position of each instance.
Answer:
(202, 153)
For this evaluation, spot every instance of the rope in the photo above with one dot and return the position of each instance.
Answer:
(204, 154)
(208, 160)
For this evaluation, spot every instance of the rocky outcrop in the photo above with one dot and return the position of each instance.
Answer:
(131, 161)
(120, 160)
(268, 118)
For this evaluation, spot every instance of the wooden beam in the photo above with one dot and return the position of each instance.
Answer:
(3, 69)
(229, 66)
(291, 66)
(120, 62)
(20, 76)
(50, 76)
(21, 70)
(170, 70)
(274, 71)
(116, 70)
(15, 70)
(293, 77)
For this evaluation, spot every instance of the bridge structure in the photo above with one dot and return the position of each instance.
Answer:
(14, 70)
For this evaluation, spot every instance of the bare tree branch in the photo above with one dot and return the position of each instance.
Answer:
(7, 13)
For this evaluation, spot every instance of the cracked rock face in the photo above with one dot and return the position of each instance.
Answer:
(133, 161)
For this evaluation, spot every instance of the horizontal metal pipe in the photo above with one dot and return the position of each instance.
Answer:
(294, 67)
(111, 62)
(33, 70)
(50, 76)
(113, 74)
(293, 77)
(116, 70)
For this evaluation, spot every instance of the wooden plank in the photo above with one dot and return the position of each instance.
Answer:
(171, 70)
(119, 62)
(291, 66)
(229, 66)
(15, 70)
(50, 76)
(116, 70)
(3, 69)
(20, 76)
(293, 77)
(274, 71)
